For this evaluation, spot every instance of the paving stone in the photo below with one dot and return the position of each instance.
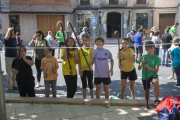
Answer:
(120, 117)
(91, 117)
(63, 106)
(19, 99)
(117, 108)
(54, 115)
(124, 102)
(87, 110)
(28, 117)
(113, 114)
(10, 112)
(16, 105)
(32, 109)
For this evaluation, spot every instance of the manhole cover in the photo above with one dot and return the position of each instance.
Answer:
(155, 117)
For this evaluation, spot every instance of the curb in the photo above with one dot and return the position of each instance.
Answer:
(78, 101)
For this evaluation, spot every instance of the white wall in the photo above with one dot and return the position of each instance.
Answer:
(166, 3)
(4, 23)
(72, 19)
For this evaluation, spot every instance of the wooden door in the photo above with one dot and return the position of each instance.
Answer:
(48, 23)
(14, 22)
(165, 20)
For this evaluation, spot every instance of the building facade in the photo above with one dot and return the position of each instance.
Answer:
(166, 13)
(101, 17)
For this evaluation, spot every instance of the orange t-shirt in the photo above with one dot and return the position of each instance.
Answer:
(49, 65)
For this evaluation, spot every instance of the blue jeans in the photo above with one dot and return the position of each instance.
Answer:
(164, 57)
(176, 70)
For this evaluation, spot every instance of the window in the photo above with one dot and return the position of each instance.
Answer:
(141, 1)
(84, 20)
(112, 2)
(84, 2)
(142, 21)
(14, 22)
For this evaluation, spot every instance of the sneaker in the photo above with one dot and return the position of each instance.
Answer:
(168, 65)
(177, 85)
(37, 85)
(10, 91)
(58, 57)
(162, 65)
(15, 87)
(156, 103)
(172, 78)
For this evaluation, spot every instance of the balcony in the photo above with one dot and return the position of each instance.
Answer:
(115, 3)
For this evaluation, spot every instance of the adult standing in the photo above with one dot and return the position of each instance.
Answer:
(10, 55)
(131, 38)
(59, 36)
(139, 42)
(166, 38)
(156, 41)
(84, 32)
(18, 39)
(38, 54)
(52, 42)
(73, 36)
(173, 30)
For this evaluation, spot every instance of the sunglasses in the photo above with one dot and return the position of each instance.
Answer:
(46, 51)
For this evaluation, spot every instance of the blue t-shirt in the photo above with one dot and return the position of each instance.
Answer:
(101, 63)
(176, 57)
(10, 43)
(138, 39)
(19, 41)
(49, 38)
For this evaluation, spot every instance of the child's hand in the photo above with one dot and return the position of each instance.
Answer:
(55, 71)
(91, 42)
(81, 73)
(120, 66)
(147, 66)
(76, 51)
(143, 60)
(121, 54)
(16, 72)
(111, 72)
(45, 75)
(24, 58)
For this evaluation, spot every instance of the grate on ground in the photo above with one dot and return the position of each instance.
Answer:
(154, 117)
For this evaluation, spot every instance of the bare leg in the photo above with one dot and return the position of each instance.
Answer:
(84, 93)
(98, 91)
(131, 87)
(172, 73)
(92, 93)
(106, 89)
(58, 52)
(156, 88)
(123, 87)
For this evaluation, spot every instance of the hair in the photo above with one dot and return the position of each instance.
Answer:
(49, 48)
(167, 29)
(40, 32)
(66, 45)
(156, 33)
(85, 29)
(17, 33)
(49, 32)
(154, 28)
(176, 23)
(99, 38)
(140, 30)
(126, 39)
(149, 44)
(133, 31)
(85, 36)
(22, 47)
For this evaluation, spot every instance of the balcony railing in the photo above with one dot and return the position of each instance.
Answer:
(84, 2)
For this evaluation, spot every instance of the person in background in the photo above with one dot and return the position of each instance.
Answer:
(24, 74)
(10, 55)
(156, 40)
(173, 46)
(166, 38)
(52, 42)
(131, 38)
(84, 32)
(18, 39)
(139, 42)
(173, 30)
(74, 37)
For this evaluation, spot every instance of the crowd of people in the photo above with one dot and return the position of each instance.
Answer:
(18, 65)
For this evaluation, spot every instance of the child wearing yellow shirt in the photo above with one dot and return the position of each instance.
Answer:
(70, 59)
(128, 70)
(84, 71)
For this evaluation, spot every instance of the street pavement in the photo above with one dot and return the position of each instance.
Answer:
(166, 86)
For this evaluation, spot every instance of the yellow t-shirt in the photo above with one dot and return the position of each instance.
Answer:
(127, 66)
(65, 64)
(49, 65)
(87, 53)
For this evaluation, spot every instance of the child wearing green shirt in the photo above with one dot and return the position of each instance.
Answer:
(152, 66)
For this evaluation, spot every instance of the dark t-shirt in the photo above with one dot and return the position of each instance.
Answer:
(25, 74)
(166, 38)
(10, 43)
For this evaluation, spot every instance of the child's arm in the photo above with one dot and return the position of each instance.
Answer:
(156, 69)
(141, 64)
(92, 47)
(29, 62)
(64, 57)
(14, 70)
(131, 59)
(171, 57)
(90, 64)
(112, 64)
(76, 56)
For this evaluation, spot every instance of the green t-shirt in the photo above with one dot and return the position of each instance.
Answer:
(152, 62)
(172, 31)
(60, 34)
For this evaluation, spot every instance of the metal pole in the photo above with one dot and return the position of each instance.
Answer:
(2, 96)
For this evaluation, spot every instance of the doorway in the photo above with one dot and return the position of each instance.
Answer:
(165, 20)
(113, 24)
(14, 22)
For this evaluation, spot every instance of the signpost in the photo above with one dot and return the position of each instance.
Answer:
(93, 22)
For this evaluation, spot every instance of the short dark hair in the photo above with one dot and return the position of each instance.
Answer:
(17, 33)
(149, 44)
(133, 30)
(140, 30)
(22, 47)
(40, 32)
(49, 48)
(85, 36)
(176, 23)
(99, 38)
(156, 33)
(126, 39)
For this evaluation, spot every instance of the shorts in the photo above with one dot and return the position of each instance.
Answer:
(61, 44)
(156, 52)
(148, 81)
(105, 81)
(130, 75)
(139, 49)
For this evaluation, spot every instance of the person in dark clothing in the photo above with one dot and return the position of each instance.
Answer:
(18, 39)
(166, 38)
(21, 66)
